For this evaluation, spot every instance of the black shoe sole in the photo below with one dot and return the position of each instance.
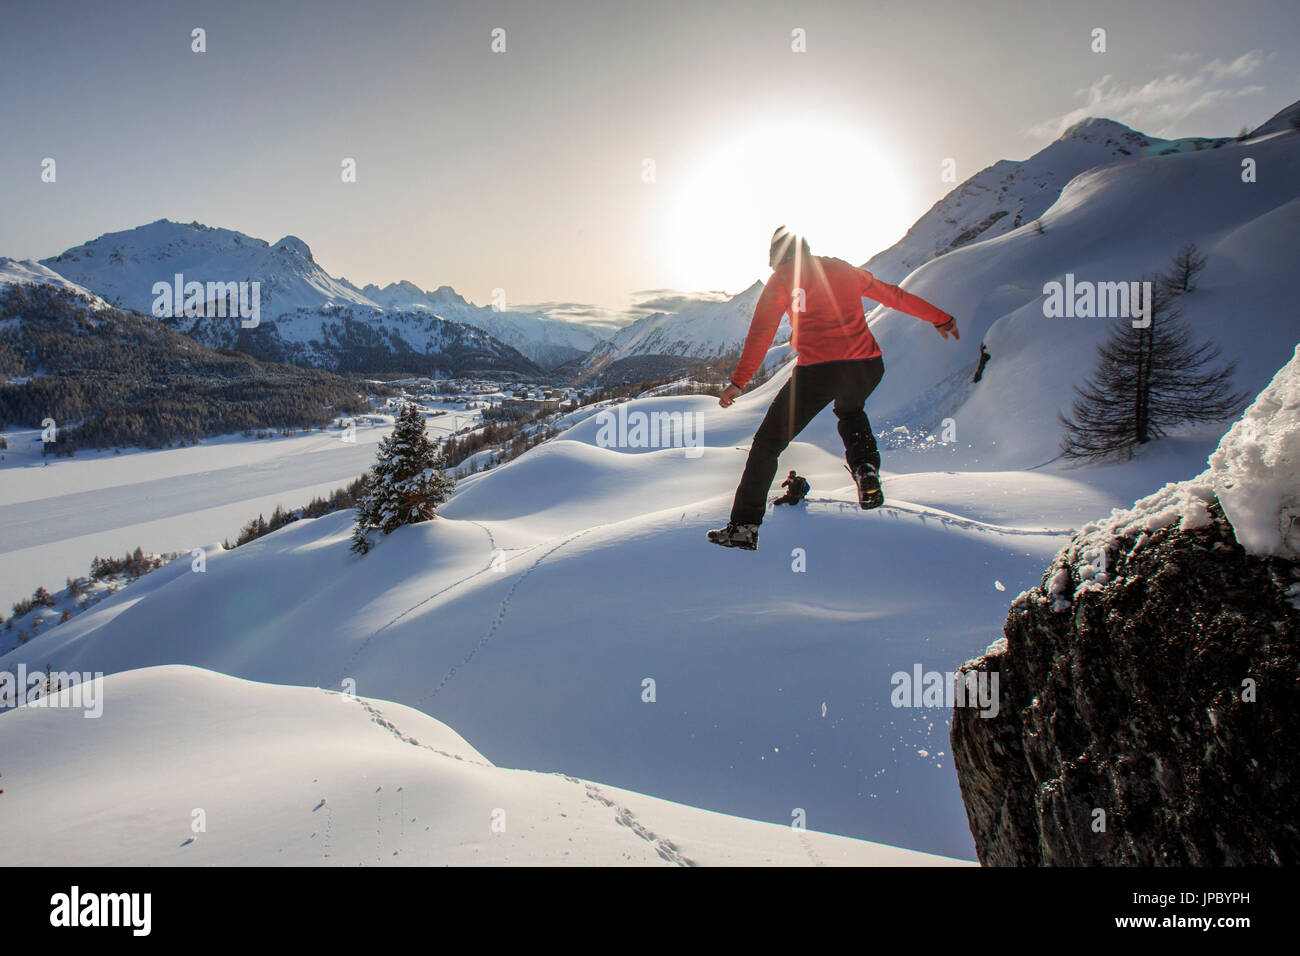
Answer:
(734, 544)
(868, 499)
(872, 500)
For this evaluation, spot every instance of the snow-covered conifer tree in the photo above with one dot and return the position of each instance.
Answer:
(406, 484)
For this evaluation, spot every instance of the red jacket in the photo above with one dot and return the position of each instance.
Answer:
(828, 325)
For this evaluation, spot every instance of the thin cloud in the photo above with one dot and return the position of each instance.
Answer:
(670, 300)
(1247, 64)
(1159, 105)
(600, 318)
(609, 320)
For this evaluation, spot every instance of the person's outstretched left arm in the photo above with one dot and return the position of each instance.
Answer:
(896, 298)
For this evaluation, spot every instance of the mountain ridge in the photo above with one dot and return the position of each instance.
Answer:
(123, 267)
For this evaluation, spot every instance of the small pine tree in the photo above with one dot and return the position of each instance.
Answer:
(281, 517)
(136, 564)
(1150, 379)
(1183, 270)
(406, 484)
(254, 529)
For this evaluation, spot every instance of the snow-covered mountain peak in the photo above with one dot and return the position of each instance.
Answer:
(125, 266)
(406, 295)
(295, 246)
(445, 293)
(1097, 129)
(1009, 193)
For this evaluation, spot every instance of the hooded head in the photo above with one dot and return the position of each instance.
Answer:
(786, 245)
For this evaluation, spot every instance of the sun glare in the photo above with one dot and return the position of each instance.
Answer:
(826, 180)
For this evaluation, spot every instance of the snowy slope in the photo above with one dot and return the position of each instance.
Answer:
(301, 777)
(123, 267)
(1281, 122)
(30, 272)
(1113, 223)
(607, 581)
(772, 685)
(1007, 195)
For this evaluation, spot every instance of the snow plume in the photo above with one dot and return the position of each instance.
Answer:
(1255, 470)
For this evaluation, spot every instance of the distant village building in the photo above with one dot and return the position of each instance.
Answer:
(528, 406)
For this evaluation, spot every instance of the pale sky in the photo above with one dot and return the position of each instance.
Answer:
(529, 170)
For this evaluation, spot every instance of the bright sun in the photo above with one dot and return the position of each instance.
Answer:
(825, 180)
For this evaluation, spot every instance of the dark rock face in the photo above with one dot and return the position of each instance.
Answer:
(1128, 731)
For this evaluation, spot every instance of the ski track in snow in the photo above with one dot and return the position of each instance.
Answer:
(625, 817)
(501, 615)
(808, 848)
(921, 513)
(350, 666)
(377, 717)
(666, 848)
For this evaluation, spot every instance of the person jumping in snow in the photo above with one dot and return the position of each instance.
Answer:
(839, 361)
(796, 489)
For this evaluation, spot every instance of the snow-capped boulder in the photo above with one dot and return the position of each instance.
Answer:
(1147, 711)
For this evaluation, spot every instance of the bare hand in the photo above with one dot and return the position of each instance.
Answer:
(948, 328)
(729, 395)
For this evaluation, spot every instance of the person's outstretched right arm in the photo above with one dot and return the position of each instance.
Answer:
(772, 304)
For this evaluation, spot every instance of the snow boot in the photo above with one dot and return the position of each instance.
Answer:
(868, 481)
(736, 536)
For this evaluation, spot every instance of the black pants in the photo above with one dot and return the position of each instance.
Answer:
(810, 389)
